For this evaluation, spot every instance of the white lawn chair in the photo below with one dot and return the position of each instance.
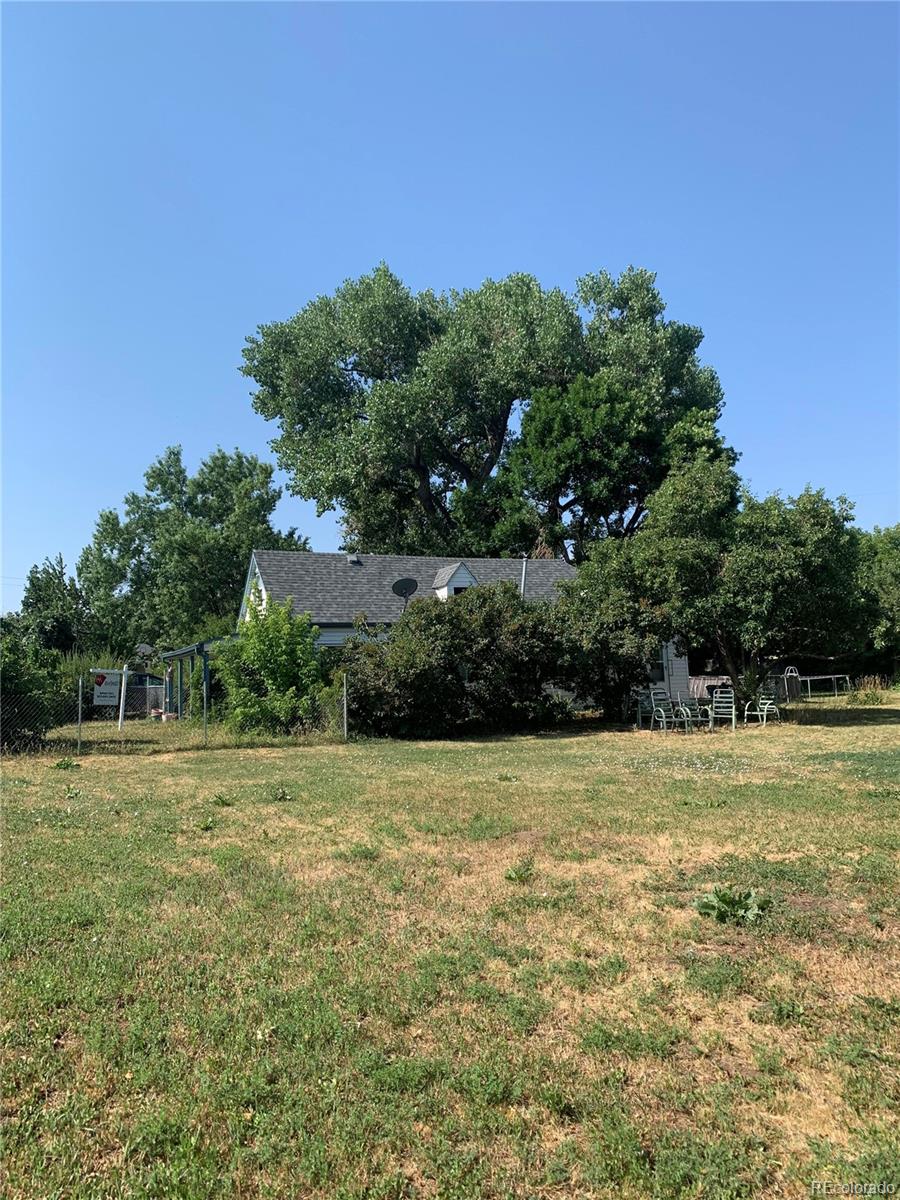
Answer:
(723, 707)
(763, 708)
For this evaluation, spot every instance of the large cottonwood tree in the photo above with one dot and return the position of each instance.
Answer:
(493, 420)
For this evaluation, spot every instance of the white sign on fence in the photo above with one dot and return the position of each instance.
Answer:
(106, 688)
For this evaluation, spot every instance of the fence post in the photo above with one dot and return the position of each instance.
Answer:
(80, 690)
(205, 698)
(345, 706)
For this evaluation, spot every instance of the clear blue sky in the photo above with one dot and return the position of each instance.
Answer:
(175, 174)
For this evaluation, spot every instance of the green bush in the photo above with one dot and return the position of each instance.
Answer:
(481, 661)
(270, 672)
(27, 689)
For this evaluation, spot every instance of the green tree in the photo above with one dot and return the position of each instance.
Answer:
(270, 671)
(883, 580)
(401, 409)
(762, 579)
(172, 568)
(54, 609)
(610, 630)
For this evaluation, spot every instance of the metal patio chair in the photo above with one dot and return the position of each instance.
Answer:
(723, 707)
(665, 714)
(763, 707)
(694, 713)
(643, 708)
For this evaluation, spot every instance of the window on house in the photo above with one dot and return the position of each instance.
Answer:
(657, 670)
(457, 590)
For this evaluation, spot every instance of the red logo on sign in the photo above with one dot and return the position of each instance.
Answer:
(99, 680)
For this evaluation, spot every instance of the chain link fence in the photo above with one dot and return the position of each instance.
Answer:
(144, 722)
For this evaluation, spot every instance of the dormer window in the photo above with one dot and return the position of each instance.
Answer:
(452, 580)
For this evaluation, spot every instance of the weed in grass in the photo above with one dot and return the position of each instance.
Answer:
(72, 793)
(206, 825)
(221, 800)
(66, 764)
(504, 778)
(735, 906)
(521, 871)
(280, 795)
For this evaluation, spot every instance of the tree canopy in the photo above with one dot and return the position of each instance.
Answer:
(882, 577)
(488, 421)
(172, 568)
(762, 579)
(54, 610)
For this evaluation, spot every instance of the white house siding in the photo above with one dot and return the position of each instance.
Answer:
(462, 577)
(678, 677)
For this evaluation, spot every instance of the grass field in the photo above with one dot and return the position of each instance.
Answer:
(455, 969)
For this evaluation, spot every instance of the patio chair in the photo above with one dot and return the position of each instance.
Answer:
(723, 707)
(693, 712)
(643, 708)
(763, 707)
(665, 714)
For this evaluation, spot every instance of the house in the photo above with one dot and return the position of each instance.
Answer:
(336, 589)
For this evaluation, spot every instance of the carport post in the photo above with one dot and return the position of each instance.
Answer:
(179, 688)
(80, 691)
(345, 706)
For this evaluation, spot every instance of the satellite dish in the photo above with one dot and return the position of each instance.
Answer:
(404, 588)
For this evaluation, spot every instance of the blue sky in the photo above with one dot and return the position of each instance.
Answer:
(175, 174)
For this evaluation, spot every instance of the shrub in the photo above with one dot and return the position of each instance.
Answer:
(481, 661)
(270, 672)
(27, 689)
(870, 690)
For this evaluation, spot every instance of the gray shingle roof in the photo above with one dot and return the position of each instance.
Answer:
(336, 590)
